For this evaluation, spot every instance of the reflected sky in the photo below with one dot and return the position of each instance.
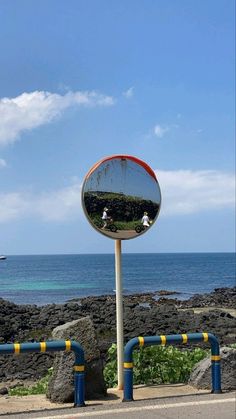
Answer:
(124, 176)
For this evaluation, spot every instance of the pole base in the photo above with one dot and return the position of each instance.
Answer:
(128, 400)
(79, 405)
(216, 391)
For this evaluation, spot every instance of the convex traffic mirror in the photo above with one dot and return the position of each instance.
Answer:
(121, 197)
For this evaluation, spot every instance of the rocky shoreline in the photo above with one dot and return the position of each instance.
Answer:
(144, 314)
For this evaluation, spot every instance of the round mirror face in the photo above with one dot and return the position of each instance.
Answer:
(121, 197)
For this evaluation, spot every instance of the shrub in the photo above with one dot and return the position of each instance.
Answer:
(156, 364)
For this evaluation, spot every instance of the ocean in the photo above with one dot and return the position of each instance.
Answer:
(58, 278)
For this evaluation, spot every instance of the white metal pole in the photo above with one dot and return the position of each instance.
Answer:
(119, 315)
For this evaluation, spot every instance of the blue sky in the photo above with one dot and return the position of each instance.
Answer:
(80, 80)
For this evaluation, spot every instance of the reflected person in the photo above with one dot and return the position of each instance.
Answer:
(104, 217)
(146, 220)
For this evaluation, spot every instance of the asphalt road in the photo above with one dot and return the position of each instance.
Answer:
(200, 407)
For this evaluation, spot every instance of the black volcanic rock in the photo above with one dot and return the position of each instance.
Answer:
(144, 314)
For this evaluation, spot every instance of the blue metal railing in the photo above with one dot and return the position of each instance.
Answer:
(57, 345)
(170, 339)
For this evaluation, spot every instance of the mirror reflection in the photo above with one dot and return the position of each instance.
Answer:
(121, 197)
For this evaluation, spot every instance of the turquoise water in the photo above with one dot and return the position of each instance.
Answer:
(58, 278)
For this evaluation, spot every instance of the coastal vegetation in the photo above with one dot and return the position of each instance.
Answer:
(123, 209)
(40, 387)
(156, 364)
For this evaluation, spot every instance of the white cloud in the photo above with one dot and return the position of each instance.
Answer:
(186, 191)
(183, 192)
(2, 163)
(12, 205)
(31, 110)
(59, 205)
(160, 131)
(129, 93)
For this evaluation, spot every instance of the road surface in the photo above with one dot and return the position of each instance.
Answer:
(201, 406)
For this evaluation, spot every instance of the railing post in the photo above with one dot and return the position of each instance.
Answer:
(79, 374)
(79, 388)
(128, 384)
(128, 369)
(215, 365)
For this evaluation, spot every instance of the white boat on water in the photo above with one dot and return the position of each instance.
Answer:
(2, 257)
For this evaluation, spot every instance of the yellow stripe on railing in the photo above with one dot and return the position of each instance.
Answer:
(17, 348)
(163, 339)
(141, 341)
(128, 364)
(68, 345)
(43, 346)
(215, 358)
(79, 368)
(185, 338)
(205, 337)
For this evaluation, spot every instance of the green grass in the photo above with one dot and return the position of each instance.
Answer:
(126, 225)
(232, 345)
(121, 225)
(39, 388)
